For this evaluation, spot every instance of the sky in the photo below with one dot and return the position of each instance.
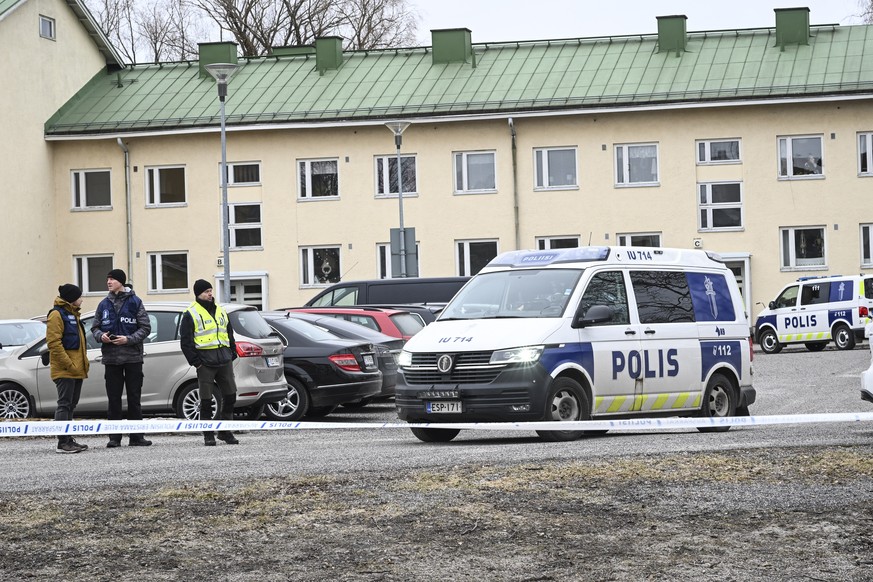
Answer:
(507, 20)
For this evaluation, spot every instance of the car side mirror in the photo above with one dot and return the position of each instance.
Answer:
(772, 305)
(595, 314)
(44, 357)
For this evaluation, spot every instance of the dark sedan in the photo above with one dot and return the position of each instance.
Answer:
(387, 347)
(322, 370)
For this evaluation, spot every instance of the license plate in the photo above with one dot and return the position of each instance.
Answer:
(444, 407)
(272, 361)
(369, 361)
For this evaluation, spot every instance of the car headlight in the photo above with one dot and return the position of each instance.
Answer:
(525, 355)
(405, 358)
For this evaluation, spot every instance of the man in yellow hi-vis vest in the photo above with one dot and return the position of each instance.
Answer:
(207, 342)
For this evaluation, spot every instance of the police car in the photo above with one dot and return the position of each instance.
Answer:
(816, 310)
(578, 334)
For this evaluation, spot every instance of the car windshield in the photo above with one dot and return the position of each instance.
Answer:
(516, 293)
(19, 333)
(249, 323)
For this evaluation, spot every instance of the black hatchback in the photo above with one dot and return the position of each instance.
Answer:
(322, 370)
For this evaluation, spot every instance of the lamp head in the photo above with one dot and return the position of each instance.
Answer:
(222, 72)
(397, 128)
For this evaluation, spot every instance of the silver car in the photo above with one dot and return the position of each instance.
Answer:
(27, 390)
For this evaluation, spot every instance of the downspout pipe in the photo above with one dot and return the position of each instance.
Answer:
(515, 183)
(127, 201)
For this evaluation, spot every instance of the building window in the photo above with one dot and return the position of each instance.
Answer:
(555, 168)
(475, 172)
(245, 226)
(243, 174)
(165, 186)
(639, 239)
(386, 176)
(557, 242)
(800, 156)
(91, 189)
(867, 245)
(715, 151)
(47, 27)
(636, 164)
(473, 255)
(865, 154)
(91, 272)
(720, 206)
(319, 266)
(803, 247)
(168, 272)
(318, 178)
(383, 255)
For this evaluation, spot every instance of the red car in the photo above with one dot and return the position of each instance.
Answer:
(393, 322)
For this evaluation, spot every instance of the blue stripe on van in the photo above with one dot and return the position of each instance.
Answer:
(713, 353)
(581, 354)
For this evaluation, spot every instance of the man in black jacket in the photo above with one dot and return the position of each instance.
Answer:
(207, 341)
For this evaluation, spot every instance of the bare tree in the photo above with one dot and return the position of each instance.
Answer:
(117, 19)
(866, 11)
(371, 24)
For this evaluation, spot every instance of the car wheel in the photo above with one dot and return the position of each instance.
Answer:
(359, 404)
(567, 401)
(435, 435)
(253, 412)
(843, 337)
(718, 402)
(320, 411)
(815, 346)
(769, 342)
(188, 403)
(293, 406)
(14, 402)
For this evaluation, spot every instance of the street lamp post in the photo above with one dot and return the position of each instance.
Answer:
(397, 128)
(222, 72)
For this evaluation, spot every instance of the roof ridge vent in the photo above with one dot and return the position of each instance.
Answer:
(328, 53)
(215, 52)
(452, 45)
(672, 35)
(292, 50)
(792, 26)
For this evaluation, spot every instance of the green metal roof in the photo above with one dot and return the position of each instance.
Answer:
(7, 6)
(507, 78)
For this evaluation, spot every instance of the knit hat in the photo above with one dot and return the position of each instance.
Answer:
(118, 275)
(69, 292)
(200, 286)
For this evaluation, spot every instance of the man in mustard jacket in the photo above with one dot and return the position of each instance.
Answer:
(68, 356)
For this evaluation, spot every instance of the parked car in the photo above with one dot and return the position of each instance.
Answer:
(321, 369)
(387, 347)
(393, 322)
(390, 291)
(26, 388)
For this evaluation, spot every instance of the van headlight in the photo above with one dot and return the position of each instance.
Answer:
(405, 359)
(525, 355)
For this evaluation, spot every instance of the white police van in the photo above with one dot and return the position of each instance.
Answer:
(582, 333)
(815, 310)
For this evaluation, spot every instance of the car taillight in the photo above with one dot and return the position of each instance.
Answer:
(346, 362)
(751, 350)
(248, 350)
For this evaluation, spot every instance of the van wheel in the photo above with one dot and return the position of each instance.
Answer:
(815, 346)
(435, 435)
(769, 342)
(718, 402)
(293, 406)
(14, 402)
(567, 401)
(843, 337)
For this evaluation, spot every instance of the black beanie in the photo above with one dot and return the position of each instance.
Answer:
(118, 275)
(200, 286)
(69, 292)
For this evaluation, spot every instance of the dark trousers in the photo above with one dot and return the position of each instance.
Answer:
(69, 390)
(208, 377)
(117, 377)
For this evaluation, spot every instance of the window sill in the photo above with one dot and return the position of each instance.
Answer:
(568, 188)
(471, 192)
(244, 185)
(173, 205)
(394, 196)
(803, 268)
(638, 185)
(91, 209)
(723, 229)
(244, 249)
(167, 291)
(803, 177)
(721, 163)
(321, 198)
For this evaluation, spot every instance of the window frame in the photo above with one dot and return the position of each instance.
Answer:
(308, 278)
(625, 165)
(791, 231)
(620, 235)
(544, 243)
(868, 263)
(156, 270)
(233, 226)
(465, 175)
(53, 27)
(307, 176)
(82, 272)
(867, 156)
(78, 177)
(539, 180)
(383, 258)
(231, 182)
(462, 246)
(709, 206)
(153, 186)
(789, 157)
(385, 175)
(707, 156)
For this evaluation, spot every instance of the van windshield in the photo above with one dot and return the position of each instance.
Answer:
(516, 293)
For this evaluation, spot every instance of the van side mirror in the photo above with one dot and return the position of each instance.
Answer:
(595, 314)
(772, 305)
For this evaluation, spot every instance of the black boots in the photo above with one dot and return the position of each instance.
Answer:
(227, 414)
(206, 414)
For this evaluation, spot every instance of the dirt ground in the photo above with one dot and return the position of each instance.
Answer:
(776, 514)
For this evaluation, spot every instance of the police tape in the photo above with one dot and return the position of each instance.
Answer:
(106, 427)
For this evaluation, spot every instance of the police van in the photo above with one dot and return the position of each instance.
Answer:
(815, 310)
(578, 334)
